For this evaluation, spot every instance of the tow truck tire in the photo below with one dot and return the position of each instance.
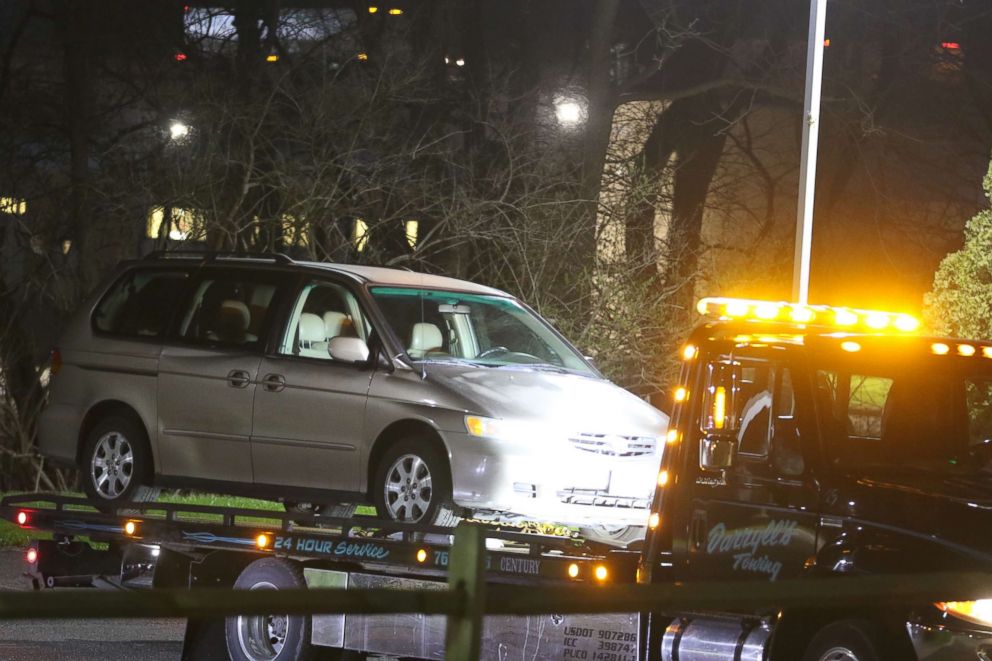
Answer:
(269, 637)
(846, 640)
(407, 466)
(117, 464)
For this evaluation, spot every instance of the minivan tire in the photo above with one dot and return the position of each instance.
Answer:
(116, 449)
(416, 458)
(270, 637)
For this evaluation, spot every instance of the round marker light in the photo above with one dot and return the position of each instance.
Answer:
(130, 528)
(663, 478)
(421, 556)
(681, 394)
(672, 436)
(31, 556)
(940, 348)
(573, 570)
(22, 518)
(654, 520)
(966, 350)
(262, 541)
(987, 352)
(850, 346)
(689, 352)
(601, 573)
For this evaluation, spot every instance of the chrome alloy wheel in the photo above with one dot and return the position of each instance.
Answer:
(262, 637)
(112, 465)
(839, 653)
(408, 490)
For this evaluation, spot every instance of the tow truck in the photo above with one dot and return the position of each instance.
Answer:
(805, 441)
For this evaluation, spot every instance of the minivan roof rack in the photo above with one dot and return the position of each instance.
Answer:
(210, 256)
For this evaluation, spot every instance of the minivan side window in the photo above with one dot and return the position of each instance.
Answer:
(323, 311)
(140, 304)
(228, 309)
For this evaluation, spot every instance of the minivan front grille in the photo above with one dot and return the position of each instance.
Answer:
(615, 446)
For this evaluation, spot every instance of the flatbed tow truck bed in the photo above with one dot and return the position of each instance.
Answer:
(164, 545)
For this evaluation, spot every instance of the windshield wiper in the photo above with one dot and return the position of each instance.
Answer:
(451, 361)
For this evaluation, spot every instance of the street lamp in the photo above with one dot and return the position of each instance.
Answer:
(568, 111)
(178, 130)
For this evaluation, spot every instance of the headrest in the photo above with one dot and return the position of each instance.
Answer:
(235, 314)
(425, 337)
(311, 328)
(335, 324)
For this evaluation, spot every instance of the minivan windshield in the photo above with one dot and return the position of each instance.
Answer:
(493, 331)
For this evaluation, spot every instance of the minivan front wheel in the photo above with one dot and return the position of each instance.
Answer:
(116, 462)
(413, 485)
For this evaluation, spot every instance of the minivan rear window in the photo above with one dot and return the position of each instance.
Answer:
(140, 304)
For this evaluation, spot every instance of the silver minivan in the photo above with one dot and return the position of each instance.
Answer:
(430, 397)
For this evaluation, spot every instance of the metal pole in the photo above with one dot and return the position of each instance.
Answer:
(811, 130)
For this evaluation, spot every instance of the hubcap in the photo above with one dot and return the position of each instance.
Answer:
(408, 489)
(112, 465)
(838, 653)
(262, 637)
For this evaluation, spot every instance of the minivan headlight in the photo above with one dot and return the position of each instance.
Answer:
(978, 612)
(489, 427)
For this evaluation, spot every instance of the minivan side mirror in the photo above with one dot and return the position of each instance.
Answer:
(348, 349)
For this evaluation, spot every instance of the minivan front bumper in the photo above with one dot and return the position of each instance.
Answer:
(946, 642)
(551, 481)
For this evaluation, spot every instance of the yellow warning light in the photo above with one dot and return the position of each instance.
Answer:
(662, 478)
(421, 556)
(262, 541)
(272, 57)
(850, 346)
(130, 528)
(362, 57)
(681, 394)
(573, 570)
(654, 520)
(601, 573)
(876, 320)
(766, 311)
(719, 407)
(844, 317)
(672, 436)
(821, 315)
(802, 315)
(373, 9)
(940, 348)
(689, 352)
(966, 350)
(395, 12)
(987, 352)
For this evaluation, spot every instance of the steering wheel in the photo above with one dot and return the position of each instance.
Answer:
(493, 351)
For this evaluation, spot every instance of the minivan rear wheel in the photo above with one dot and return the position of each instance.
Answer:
(116, 464)
(413, 484)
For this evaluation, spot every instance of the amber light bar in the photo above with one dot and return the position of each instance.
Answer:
(841, 318)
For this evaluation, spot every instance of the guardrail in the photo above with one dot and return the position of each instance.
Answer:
(468, 597)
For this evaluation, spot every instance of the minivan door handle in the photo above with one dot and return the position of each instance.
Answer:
(238, 379)
(274, 382)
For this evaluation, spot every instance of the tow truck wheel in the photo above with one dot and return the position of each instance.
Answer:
(847, 640)
(413, 484)
(116, 462)
(269, 637)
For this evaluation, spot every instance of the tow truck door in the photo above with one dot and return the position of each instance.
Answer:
(758, 519)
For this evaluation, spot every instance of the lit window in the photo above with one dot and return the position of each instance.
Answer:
(184, 224)
(412, 227)
(360, 235)
(294, 231)
(13, 205)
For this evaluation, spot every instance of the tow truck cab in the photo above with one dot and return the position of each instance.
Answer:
(807, 441)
